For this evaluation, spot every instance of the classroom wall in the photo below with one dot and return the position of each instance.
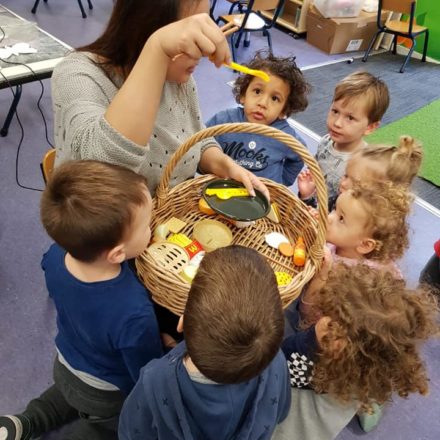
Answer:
(432, 20)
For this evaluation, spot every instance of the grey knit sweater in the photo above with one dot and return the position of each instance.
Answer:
(81, 93)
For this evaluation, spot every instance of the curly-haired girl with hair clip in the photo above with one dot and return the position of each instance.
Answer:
(369, 223)
(267, 103)
(398, 164)
(365, 345)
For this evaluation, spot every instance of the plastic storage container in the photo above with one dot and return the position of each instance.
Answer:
(339, 8)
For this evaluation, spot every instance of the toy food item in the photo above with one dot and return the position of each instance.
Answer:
(205, 208)
(212, 234)
(286, 249)
(283, 278)
(169, 256)
(161, 232)
(274, 214)
(299, 254)
(227, 193)
(274, 239)
(188, 273)
(175, 225)
(180, 239)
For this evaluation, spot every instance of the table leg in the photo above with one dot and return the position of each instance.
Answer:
(10, 115)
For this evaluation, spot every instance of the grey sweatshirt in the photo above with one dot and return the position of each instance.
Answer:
(81, 93)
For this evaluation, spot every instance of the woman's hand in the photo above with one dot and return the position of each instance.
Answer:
(248, 179)
(214, 161)
(195, 36)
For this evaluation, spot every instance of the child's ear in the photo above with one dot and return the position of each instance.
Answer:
(371, 127)
(242, 99)
(180, 324)
(116, 255)
(366, 246)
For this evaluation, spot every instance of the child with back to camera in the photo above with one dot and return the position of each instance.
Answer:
(229, 378)
(268, 103)
(359, 102)
(365, 344)
(99, 216)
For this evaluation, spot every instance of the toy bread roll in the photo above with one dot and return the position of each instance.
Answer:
(212, 234)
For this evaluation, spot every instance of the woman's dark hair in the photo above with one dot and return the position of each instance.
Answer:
(131, 24)
(284, 68)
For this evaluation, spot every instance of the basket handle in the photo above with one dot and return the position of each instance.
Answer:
(245, 127)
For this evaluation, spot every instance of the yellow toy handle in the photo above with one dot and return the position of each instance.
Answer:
(243, 69)
(227, 193)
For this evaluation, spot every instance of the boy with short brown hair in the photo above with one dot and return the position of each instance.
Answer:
(99, 216)
(230, 380)
(359, 102)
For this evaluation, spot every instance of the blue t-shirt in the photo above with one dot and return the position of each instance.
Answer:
(264, 156)
(107, 329)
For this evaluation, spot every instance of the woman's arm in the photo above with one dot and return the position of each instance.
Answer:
(214, 161)
(133, 110)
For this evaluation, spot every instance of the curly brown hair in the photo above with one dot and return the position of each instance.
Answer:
(387, 206)
(284, 68)
(381, 324)
(401, 162)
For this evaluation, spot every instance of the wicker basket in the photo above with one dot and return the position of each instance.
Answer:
(162, 279)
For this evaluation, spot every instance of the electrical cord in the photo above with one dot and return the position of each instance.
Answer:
(18, 118)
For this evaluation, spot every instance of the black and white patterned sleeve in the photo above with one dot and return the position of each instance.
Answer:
(300, 370)
(300, 349)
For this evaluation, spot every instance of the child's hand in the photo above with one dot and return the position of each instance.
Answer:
(306, 184)
(195, 36)
(327, 264)
(168, 341)
(313, 211)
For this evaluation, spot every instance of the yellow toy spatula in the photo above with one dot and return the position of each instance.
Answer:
(243, 69)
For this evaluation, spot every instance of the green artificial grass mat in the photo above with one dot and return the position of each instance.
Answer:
(424, 125)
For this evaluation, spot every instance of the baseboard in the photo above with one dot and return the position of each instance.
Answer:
(402, 50)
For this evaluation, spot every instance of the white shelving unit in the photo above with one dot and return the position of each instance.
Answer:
(293, 15)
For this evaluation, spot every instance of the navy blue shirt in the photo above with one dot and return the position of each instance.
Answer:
(264, 156)
(167, 404)
(107, 329)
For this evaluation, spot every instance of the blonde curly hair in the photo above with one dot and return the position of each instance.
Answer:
(401, 162)
(387, 206)
(382, 324)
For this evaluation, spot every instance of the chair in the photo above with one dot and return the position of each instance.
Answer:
(253, 21)
(47, 164)
(408, 29)
(83, 12)
(241, 4)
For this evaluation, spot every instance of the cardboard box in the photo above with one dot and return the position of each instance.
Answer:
(340, 35)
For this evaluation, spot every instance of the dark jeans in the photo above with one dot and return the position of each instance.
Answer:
(431, 274)
(96, 411)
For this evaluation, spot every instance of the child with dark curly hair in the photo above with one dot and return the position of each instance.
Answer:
(365, 344)
(267, 103)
